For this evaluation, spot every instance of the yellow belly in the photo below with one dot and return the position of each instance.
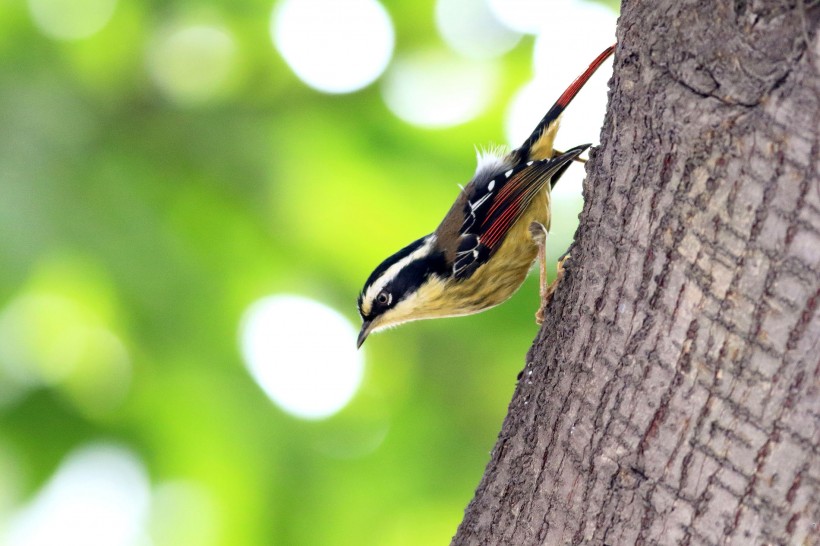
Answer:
(499, 278)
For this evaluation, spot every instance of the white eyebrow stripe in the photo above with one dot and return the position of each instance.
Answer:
(392, 271)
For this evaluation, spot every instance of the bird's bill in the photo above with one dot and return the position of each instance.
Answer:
(367, 326)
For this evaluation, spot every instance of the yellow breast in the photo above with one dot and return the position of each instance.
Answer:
(499, 278)
(495, 281)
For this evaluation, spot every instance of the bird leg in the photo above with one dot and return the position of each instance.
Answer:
(559, 268)
(539, 236)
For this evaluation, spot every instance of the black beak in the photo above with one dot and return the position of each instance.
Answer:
(363, 334)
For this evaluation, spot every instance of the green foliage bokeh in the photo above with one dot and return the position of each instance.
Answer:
(125, 212)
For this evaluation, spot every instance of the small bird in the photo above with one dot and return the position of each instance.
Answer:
(483, 249)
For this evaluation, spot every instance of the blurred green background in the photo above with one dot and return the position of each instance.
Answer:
(167, 169)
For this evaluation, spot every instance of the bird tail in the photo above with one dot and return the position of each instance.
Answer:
(539, 144)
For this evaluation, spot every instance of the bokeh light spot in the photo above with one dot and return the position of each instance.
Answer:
(71, 19)
(562, 49)
(336, 46)
(303, 355)
(435, 89)
(193, 63)
(99, 496)
(469, 27)
(528, 16)
(184, 512)
(51, 338)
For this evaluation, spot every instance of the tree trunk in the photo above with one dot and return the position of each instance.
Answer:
(672, 395)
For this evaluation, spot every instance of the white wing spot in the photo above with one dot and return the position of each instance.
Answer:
(474, 206)
(471, 217)
(464, 258)
(491, 185)
(529, 163)
(508, 173)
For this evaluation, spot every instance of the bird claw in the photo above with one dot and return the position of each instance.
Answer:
(539, 315)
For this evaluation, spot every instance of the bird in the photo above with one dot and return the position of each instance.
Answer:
(483, 249)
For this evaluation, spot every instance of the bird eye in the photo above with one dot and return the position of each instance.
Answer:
(383, 298)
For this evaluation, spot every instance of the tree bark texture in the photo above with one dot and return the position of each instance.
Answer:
(673, 393)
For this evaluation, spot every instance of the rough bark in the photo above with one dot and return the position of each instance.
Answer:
(673, 393)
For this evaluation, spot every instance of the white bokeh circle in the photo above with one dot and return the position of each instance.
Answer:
(71, 19)
(436, 89)
(302, 353)
(335, 46)
(192, 63)
(470, 28)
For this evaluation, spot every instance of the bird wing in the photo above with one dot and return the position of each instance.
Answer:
(493, 207)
